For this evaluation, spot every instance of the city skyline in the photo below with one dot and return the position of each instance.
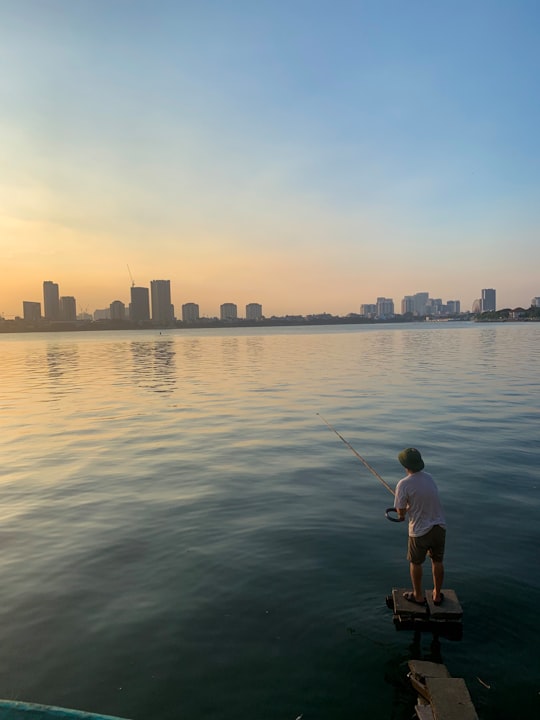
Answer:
(155, 303)
(309, 156)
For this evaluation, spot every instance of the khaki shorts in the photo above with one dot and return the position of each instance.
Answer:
(432, 544)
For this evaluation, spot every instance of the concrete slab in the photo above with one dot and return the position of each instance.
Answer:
(420, 670)
(450, 699)
(426, 669)
(449, 609)
(405, 608)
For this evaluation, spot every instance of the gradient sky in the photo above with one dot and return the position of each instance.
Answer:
(304, 154)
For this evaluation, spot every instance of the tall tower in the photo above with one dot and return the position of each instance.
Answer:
(68, 308)
(488, 300)
(139, 309)
(420, 302)
(385, 307)
(31, 310)
(117, 310)
(190, 312)
(51, 300)
(228, 311)
(162, 310)
(253, 311)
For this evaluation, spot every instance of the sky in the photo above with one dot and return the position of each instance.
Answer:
(308, 155)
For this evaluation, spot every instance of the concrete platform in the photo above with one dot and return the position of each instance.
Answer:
(405, 608)
(450, 699)
(442, 697)
(449, 609)
(443, 620)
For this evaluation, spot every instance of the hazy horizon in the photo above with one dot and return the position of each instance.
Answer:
(309, 156)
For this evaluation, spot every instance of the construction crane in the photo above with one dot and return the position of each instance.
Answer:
(131, 276)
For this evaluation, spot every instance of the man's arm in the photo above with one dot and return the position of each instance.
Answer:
(400, 499)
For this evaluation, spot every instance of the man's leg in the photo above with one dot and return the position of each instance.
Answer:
(438, 577)
(416, 578)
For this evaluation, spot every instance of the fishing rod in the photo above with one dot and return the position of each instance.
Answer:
(366, 464)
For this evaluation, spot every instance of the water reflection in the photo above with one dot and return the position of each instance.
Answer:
(57, 369)
(154, 365)
(254, 348)
(192, 351)
(229, 348)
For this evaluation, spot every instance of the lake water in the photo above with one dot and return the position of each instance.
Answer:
(183, 537)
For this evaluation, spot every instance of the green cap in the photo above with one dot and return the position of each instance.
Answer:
(411, 459)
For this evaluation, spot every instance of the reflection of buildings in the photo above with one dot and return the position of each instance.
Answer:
(488, 300)
(31, 310)
(162, 309)
(154, 364)
(51, 300)
(61, 362)
(254, 311)
(139, 309)
(228, 311)
(190, 312)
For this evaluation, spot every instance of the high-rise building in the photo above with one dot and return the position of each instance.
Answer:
(368, 310)
(117, 310)
(68, 308)
(407, 305)
(434, 307)
(254, 311)
(228, 311)
(190, 312)
(535, 302)
(419, 305)
(31, 311)
(102, 313)
(385, 307)
(488, 300)
(454, 307)
(162, 310)
(139, 308)
(421, 299)
(51, 300)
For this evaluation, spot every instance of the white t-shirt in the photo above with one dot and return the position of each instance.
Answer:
(419, 495)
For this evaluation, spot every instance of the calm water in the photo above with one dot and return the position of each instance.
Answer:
(183, 537)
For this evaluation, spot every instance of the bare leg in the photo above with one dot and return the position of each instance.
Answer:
(438, 577)
(416, 578)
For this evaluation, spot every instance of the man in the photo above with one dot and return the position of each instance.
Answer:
(417, 496)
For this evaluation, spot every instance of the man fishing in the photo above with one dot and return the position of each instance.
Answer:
(417, 496)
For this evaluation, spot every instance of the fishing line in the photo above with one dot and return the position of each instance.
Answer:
(366, 464)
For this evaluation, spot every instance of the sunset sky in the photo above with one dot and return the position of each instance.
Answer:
(308, 155)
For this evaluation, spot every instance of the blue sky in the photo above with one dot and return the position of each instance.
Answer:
(310, 156)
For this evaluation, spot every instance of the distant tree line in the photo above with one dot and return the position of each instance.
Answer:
(532, 313)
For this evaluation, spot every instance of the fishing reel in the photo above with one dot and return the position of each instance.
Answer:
(389, 516)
